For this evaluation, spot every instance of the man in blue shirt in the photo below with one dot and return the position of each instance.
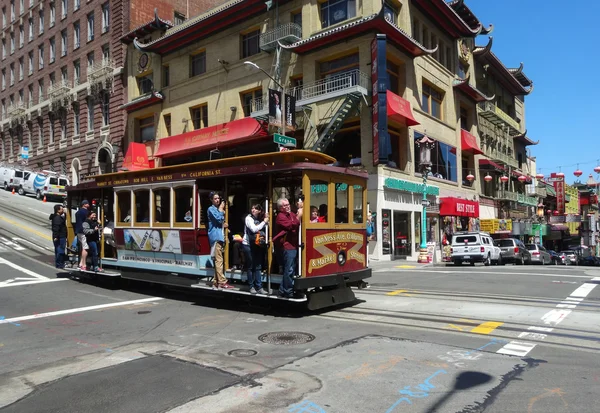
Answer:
(80, 216)
(216, 238)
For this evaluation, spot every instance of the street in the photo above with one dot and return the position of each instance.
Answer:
(420, 339)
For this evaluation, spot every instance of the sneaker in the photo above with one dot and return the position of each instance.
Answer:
(252, 290)
(262, 291)
(226, 286)
(283, 295)
(98, 269)
(83, 268)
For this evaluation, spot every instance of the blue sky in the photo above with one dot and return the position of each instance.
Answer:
(558, 43)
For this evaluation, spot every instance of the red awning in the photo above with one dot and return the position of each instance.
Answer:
(487, 162)
(399, 110)
(469, 143)
(136, 157)
(457, 207)
(225, 134)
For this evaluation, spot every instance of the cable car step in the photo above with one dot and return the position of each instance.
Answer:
(240, 292)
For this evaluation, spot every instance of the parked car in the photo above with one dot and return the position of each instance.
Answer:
(513, 250)
(590, 260)
(474, 247)
(539, 254)
(558, 258)
(570, 257)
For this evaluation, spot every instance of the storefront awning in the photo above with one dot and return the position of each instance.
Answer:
(226, 134)
(136, 157)
(559, 228)
(457, 207)
(469, 143)
(399, 110)
(490, 164)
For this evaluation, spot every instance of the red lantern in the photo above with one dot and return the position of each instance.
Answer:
(549, 211)
(597, 169)
(555, 212)
(539, 177)
(522, 178)
(470, 177)
(504, 179)
(578, 173)
(488, 178)
(560, 175)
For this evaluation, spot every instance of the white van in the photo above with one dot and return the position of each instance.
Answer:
(46, 184)
(6, 173)
(12, 178)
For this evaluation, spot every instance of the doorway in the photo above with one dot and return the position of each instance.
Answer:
(402, 234)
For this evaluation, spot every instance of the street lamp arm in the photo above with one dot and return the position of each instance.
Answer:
(254, 65)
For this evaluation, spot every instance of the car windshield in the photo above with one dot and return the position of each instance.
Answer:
(567, 252)
(465, 239)
(531, 247)
(506, 243)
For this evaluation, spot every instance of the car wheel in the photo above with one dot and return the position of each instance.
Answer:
(5, 186)
(472, 263)
(38, 195)
(500, 260)
(522, 260)
(488, 261)
(21, 191)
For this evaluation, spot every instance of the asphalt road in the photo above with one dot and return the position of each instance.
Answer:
(472, 339)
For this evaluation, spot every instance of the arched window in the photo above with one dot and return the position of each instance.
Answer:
(2, 148)
(75, 171)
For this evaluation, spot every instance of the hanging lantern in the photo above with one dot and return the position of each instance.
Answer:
(597, 169)
(470, 177)
(549, 211)
(539, 177)
(555, 212)
(488, 178)
(504, 179)
(522, 178)
(578, 173)
(560, 175)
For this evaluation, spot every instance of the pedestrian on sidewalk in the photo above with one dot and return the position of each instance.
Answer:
(59, 235)
(80, 217)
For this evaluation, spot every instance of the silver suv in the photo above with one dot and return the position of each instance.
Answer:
(513, 250)
(474, 247)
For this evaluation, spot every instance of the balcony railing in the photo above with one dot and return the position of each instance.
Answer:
(286, 33)
(498, 156)
(17, 109)
(100, 69)
(497, 116)
(539, 191)
(508, 195)
(526, 200)
(59, 89)
(340, 84)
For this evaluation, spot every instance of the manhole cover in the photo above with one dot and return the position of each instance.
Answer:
(144, 312)
(286, 338)
(243, 352)
(383, 284)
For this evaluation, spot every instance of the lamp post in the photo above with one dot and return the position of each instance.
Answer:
(283, 123)
(425, 144)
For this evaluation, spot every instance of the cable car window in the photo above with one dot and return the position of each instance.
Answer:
(319, 191)
(358, 216)
(124, 207)
(162, 207)
(184, 203)
(142, 207)
(341, 203)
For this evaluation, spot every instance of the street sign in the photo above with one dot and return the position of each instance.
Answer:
(284, 140)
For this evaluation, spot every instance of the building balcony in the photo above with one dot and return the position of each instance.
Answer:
(16, 110)
(500, 157)
(526, 200)
(538, 191)
(59, 89)
(497, 116)
(285, 33)
(507, 195)
(100, 70)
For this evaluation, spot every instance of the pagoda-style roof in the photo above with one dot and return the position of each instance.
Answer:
(207, 24)
(143, 101)
(468, 17)
(155, 24)
(520, 76)
(471, 91)
(484, 55)
(375, 23)
(448, 19)
(525, 140)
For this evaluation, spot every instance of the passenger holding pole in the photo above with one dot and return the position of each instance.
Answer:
(286, 240)
(254, 247)
(216, 239)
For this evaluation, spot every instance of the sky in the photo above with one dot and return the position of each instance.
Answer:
(558, 43)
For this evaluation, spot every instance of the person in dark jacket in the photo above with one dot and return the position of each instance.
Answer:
(91, 229)
(286, 241)
(59, 235)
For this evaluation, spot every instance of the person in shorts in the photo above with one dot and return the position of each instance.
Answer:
(80, 217)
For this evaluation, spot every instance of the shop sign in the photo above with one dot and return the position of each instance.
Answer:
(457, 207)
(573, 218)
(382, 145)
(496, 226)
(559, 187)
(408, 186)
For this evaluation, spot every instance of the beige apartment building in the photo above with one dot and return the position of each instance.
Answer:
(366, 80)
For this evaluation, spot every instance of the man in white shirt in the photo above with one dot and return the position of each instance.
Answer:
(254, 247)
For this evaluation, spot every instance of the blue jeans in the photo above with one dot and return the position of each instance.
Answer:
(254, 262)
(60, 245)
(286, 288)
(93, 253)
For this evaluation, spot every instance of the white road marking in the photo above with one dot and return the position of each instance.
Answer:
(23, 270)
(29, 242)
(16, 284)
(487, 272)
(78, 310)
(553, 317)
(11, 244)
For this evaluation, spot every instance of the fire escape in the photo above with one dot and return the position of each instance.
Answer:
(60, 95)
(100, 77)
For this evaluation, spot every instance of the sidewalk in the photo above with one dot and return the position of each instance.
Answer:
(390, 265)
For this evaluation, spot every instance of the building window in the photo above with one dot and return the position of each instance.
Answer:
(250, 100)
(90, 61)
(51, 121)
(199, 116)
(3, 17)
(63, 43)
(76, 125)
(41, 56)
(393, 71)
(76, 35)
(63, 165)
(21, 36)
(250, 43)
(12, 43)
(167, 119)
(105, 17)
(12, 11)
(178, 18)
(30, 97)
(63, 11)
(146, 129)
(30, 28)
(76, 4)
(105, 53)
(52, 79)
(464, 119)
(52, 50)
(166, 76)
(390, 12)
(30, 58)
(52, 14)
(63, 126)
(145, 84)
(21, 97)
(41, 30)
(3, 79)
(339, 67)
(90, 27)
(40, 132)
(76, 72)
(335, 11)
(21, 68)
(64, 76)
(21, 6)
(297, 18)
(3, 49)
(432, 101)
(40, 90)
(12, 74)
(105, 106)
(443, 160)
(90, 114)
(197, 64)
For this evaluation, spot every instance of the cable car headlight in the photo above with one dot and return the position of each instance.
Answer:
(341, 257)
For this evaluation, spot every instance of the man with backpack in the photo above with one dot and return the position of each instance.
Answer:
(254, 247)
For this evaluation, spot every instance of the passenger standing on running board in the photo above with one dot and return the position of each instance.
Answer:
(286, 240)
(216, 239)
(80, 216)
(254, 246)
